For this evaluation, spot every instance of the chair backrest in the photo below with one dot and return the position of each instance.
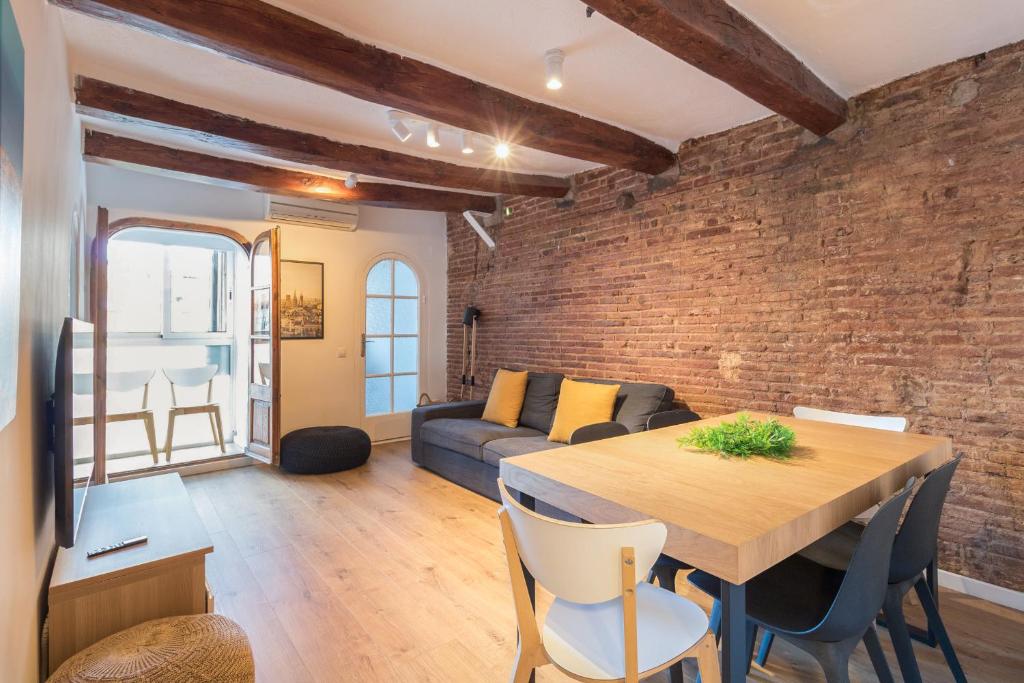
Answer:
(915, 543)
(863, 587)
(129, 381)
(892, 424)
(191, 377)
(81, 384)
(581, 562)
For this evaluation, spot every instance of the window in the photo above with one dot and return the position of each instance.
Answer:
(392, 338)
(159, 289)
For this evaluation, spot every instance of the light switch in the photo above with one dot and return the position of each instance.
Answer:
(342, 352)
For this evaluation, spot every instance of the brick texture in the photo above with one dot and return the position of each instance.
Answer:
(880, 269)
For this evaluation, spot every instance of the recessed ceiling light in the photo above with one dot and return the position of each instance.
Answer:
(553, 60)
(398, 126)
(351, 181)
(432, 135)
(467, 142)
(502, 150)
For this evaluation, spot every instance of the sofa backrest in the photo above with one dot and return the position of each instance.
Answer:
(637, 401)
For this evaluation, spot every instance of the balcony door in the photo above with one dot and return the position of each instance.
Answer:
(391, 347)
(265, 348)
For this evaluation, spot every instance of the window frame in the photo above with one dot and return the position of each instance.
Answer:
(166, 334)
(393, 297)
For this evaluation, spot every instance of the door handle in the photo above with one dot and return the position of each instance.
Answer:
(362, 346)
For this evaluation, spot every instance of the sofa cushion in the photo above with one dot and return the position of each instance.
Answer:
(541, 399)
(495, 450)
(581, 404)
(467, 436)
(505, 400)
(637, 401)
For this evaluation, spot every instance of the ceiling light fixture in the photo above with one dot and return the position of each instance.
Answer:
(553, 60)
(351, 181)
(432, 135)
(398, 126)
(502, 150)
(467, 142)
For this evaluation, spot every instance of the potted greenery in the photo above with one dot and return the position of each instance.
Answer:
(743, 438)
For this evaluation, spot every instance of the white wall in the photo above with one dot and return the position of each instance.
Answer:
(53, 190)
(317, 387)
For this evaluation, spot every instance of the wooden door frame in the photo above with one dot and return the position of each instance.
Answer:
(98, 312)
(99, 292)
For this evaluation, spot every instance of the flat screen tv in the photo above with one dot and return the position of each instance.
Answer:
(73, 426)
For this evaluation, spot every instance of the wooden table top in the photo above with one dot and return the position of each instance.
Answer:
(731, 517)
(158, 507)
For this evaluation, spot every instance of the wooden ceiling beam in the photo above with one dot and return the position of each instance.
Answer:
(721, 42)
(263, 35)
(103, 148)
(124, 105)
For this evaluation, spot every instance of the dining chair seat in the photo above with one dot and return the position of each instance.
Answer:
(587, 640)
(794, 595)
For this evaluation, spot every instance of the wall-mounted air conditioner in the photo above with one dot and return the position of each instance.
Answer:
(329, 215)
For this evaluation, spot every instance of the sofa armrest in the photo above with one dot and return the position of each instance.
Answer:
(598, 431)
(453, 409)
(670, 418)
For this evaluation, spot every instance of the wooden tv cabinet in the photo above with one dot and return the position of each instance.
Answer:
(90, 599)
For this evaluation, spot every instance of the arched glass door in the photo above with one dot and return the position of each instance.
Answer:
(391, 339)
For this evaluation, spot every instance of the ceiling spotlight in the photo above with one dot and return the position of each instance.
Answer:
(351, 181)
(467, 142)
(432, 132)
(502, 150)
(398, 126)
(553, 60)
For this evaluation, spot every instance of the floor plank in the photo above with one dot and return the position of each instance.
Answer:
(391, 573)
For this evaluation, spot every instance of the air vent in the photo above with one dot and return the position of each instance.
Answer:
(325, 215)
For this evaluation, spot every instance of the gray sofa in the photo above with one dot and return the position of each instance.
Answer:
(451, 439)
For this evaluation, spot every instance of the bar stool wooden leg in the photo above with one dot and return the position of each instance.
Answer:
(148, 421)
(707, 659)
(219, 431)
(170, 433)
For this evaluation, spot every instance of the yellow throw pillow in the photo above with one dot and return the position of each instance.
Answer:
(506, 398)
(581, 404)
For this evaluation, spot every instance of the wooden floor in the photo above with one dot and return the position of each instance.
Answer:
(390, 573)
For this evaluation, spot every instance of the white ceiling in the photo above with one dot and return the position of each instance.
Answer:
(610, 73)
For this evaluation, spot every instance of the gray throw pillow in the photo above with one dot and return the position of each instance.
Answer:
(541, 399)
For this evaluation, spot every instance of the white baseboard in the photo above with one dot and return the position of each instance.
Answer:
(986, 591)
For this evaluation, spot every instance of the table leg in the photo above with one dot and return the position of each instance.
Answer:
(735, 653)
(530, 503)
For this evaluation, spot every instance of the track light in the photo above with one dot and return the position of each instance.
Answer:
(351, 181)
(432, 135)
(553, 60)
(398, 126)
(502, 150)
(467, 142)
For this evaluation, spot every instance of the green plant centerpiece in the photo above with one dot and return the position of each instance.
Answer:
(744, 438)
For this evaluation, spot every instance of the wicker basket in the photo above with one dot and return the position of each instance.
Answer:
(190, 649)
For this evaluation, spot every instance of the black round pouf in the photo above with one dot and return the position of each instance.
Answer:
(319, 450)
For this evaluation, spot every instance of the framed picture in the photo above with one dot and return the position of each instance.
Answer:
(302, 300)
(12, 140)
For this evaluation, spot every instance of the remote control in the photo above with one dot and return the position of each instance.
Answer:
(117, 546)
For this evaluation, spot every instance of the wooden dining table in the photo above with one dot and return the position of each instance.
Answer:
(731, 517)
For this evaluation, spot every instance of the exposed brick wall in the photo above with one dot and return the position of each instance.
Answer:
(878, 270)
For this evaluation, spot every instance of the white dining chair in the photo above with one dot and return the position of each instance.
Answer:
(133, 380)
(606, 623)
(888, 423)
(193, 377)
